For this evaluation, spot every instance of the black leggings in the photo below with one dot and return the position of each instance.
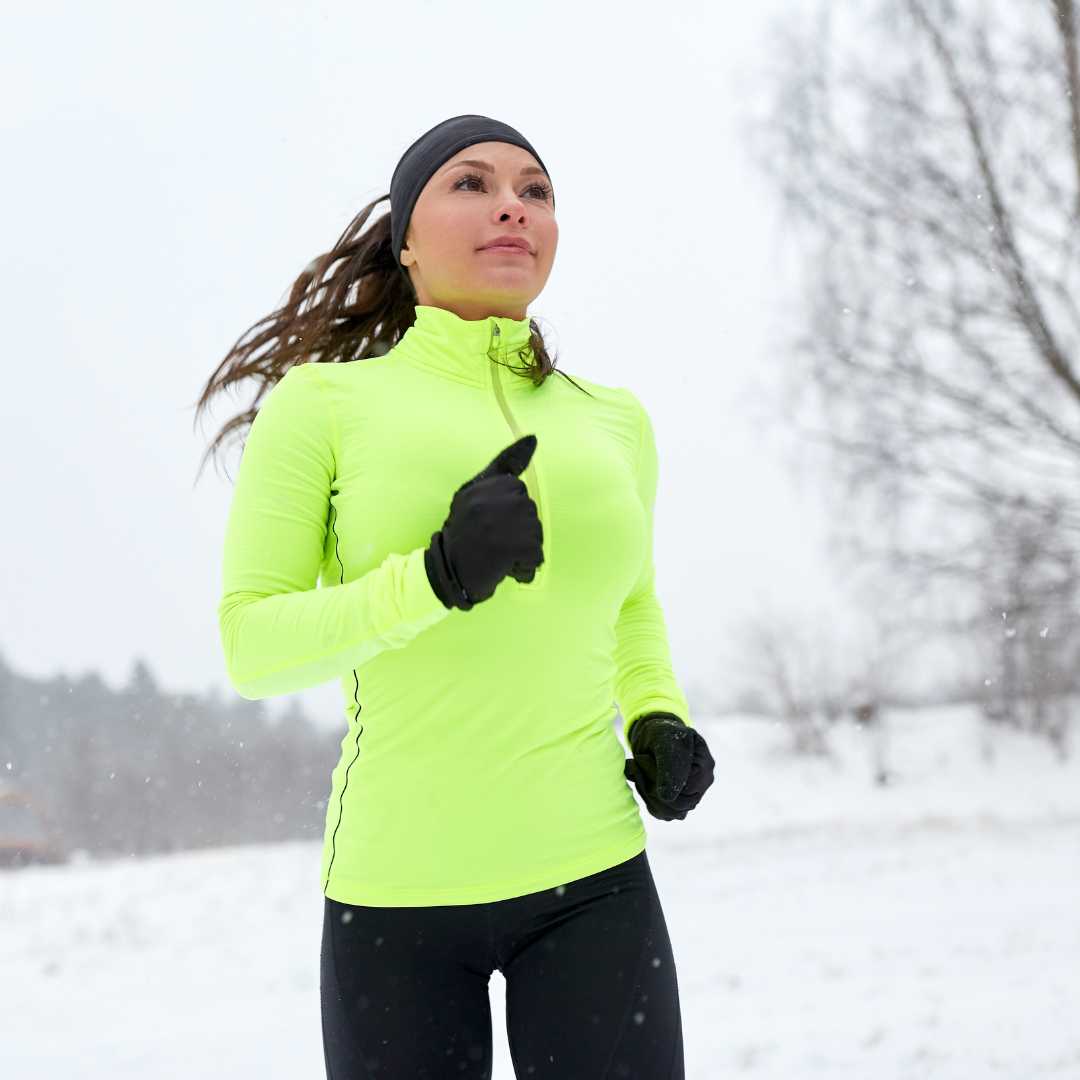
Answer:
(591, 990)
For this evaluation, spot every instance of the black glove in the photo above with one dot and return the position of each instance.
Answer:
(671, 767)
(493, 529)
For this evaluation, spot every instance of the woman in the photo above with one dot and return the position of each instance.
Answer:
(479, 815)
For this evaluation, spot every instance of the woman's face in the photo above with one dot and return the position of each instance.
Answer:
(465, 206)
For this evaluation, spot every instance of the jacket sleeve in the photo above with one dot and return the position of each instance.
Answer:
(644, 679)
(280, 631)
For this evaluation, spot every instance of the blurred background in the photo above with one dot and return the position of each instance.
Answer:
(839, 246)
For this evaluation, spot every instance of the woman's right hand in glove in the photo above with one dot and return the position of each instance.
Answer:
(493, 530)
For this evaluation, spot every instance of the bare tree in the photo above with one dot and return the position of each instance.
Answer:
(1032, 654)
(807, 671)
(934, 163)
(781, 664)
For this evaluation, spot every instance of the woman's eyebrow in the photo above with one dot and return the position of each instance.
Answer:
(490, 168)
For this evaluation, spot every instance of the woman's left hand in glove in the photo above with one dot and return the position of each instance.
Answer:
(671, 767)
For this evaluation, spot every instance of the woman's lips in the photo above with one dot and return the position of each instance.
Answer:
(511, 249)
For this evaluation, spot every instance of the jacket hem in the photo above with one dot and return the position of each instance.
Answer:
(355, 890)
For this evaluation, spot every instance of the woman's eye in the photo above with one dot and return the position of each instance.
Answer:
(545, 191)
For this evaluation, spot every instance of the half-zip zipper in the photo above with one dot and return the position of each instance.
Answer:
(530, 474)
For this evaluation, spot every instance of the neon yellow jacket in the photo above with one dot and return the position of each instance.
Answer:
(481, 760)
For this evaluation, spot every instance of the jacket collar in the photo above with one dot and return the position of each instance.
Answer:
(465, 349)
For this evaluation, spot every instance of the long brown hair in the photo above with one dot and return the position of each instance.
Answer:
(366, 305)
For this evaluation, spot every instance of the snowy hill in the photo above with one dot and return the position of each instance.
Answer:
(823, 926)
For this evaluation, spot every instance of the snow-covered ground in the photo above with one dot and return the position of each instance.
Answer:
(822, 927)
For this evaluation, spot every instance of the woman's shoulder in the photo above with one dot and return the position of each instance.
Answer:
(615, 410)
(339, 379)
(345, 371)
(618, 397)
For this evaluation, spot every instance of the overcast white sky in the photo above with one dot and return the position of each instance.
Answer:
(171, 169)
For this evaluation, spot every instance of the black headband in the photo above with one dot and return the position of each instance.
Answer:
(419, 163)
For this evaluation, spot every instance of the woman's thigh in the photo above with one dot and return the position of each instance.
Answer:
(591, 988)
(404, 992)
